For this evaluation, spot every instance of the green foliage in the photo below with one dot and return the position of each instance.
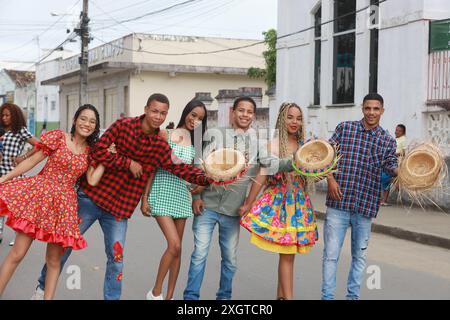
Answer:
(270, 57)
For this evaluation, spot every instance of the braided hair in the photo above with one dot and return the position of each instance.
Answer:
(283, 134)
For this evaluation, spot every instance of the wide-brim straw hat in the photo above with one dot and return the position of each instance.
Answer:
(421, 169)
(225, 165)
(315, 158)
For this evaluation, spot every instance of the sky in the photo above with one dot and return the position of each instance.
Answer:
(28, 27)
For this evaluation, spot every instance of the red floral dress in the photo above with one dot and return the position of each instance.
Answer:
(44, 207)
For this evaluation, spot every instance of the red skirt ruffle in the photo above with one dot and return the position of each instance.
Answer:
(30, 229)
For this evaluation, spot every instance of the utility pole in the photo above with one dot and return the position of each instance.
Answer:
(83, 32)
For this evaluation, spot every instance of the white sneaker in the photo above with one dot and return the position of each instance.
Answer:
(38, 294)
(150, 296)
(11, 243)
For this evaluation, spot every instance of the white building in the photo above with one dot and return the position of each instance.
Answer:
(18, 87)
(47, 97)
(125, 72)
(329, 69)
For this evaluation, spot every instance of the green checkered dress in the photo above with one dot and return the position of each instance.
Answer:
(169, 195)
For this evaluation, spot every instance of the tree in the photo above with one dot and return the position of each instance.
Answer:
(270, 56)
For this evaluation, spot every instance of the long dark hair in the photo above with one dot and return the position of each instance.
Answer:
(92, 139)
(198, 145)
(17, 117)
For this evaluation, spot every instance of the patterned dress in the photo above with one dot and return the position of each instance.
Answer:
(45, 206)
(13, 144)
(169, 195)
(282, 219)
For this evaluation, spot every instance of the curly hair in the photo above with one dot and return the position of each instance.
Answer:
(17, 117)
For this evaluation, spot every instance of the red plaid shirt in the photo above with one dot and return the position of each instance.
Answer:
(118, 191)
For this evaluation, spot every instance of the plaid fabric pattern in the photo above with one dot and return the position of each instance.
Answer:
(169, 195)
(13, 144)
(118, 191)
(364, 154)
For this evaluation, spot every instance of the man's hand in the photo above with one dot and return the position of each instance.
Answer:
(198, 206)
(145, 208)
(136, 169)
(198, 190)
(334, 191)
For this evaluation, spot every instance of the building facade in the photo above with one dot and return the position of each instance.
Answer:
(328, 64)
(18, 87)
(124, 72)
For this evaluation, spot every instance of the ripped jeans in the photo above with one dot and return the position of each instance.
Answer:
(336, 224)
(114, 233)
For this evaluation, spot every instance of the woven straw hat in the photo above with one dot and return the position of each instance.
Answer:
(421, 168)
(224, 165)
(315, 157)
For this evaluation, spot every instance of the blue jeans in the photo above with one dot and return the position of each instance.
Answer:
(203, 227)
(114, 233)
(336, 224)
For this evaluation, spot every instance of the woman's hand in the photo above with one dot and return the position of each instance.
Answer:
(244, 209)
(145, 208)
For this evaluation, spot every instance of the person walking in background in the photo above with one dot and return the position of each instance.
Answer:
(16, 136)
(44, 207)
(282, 220)
(167, 197)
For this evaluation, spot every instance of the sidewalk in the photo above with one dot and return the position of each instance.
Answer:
(426, 226)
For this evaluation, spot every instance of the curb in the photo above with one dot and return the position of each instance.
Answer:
(403, 234)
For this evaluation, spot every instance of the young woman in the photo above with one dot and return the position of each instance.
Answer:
(167, 197)
(282, 220)
(14, 139)
(44, 207)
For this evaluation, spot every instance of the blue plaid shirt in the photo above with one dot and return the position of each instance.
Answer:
(364, 153)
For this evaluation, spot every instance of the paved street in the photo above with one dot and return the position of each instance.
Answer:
(408, 270)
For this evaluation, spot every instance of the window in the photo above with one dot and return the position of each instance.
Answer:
(373, 67)
(317, 54)
(344, 51)
(53, 106)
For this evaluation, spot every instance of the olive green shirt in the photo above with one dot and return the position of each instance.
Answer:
(227, 199)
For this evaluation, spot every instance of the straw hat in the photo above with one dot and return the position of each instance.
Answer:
(225, 165)
(315, 158)
(421, 169)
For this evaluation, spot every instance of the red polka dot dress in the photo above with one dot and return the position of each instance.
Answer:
(45, 206)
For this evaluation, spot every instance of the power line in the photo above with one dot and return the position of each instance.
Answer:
(123, 8)
(118, 22)
(39, 35)
(69, 38)
(245, 46)
(151, 13)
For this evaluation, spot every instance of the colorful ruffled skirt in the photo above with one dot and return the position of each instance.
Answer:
(282, 220)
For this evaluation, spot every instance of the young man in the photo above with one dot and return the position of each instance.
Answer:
(220, 205)
(139, 152)
(354, 192)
